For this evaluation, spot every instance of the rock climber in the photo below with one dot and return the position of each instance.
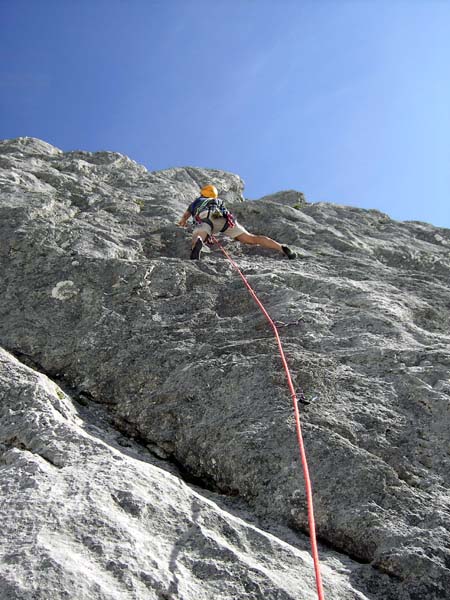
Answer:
(211, 217)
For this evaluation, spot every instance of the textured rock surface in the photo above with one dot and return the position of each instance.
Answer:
(88, 514)
(96, 292)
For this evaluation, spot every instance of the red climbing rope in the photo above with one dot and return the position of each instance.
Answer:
(312, 525)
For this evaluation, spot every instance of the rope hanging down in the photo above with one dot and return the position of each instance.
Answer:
(312, 525)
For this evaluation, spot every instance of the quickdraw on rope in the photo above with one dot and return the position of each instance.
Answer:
(311, 521)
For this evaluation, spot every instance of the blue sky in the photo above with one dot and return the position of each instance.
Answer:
(347, 101)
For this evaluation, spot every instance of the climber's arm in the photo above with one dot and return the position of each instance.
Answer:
(184, 219)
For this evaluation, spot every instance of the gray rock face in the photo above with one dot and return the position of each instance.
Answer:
(287, 198)
(97, 293)
(88, 514)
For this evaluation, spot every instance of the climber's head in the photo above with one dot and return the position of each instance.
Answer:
(209, 191)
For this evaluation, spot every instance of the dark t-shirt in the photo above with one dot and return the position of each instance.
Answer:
(193, 205)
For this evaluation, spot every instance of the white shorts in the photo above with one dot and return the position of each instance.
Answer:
(231, 232)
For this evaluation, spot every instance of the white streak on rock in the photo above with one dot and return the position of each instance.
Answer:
(64, 290)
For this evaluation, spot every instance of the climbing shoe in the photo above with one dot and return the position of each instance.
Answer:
(289, 253)
(197, 249)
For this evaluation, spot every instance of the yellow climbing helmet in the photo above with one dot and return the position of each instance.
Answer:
(209, 191)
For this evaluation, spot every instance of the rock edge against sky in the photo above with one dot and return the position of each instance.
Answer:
(172, 358)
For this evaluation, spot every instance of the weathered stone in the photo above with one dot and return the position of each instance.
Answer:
(287, 198)
(97, 292)
(89, 514)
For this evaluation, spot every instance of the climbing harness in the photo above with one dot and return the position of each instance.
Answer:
(311, 521)
(209, 209)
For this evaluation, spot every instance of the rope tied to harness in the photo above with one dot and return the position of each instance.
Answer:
(311, 520)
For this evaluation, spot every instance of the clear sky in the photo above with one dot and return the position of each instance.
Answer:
(347, 101)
